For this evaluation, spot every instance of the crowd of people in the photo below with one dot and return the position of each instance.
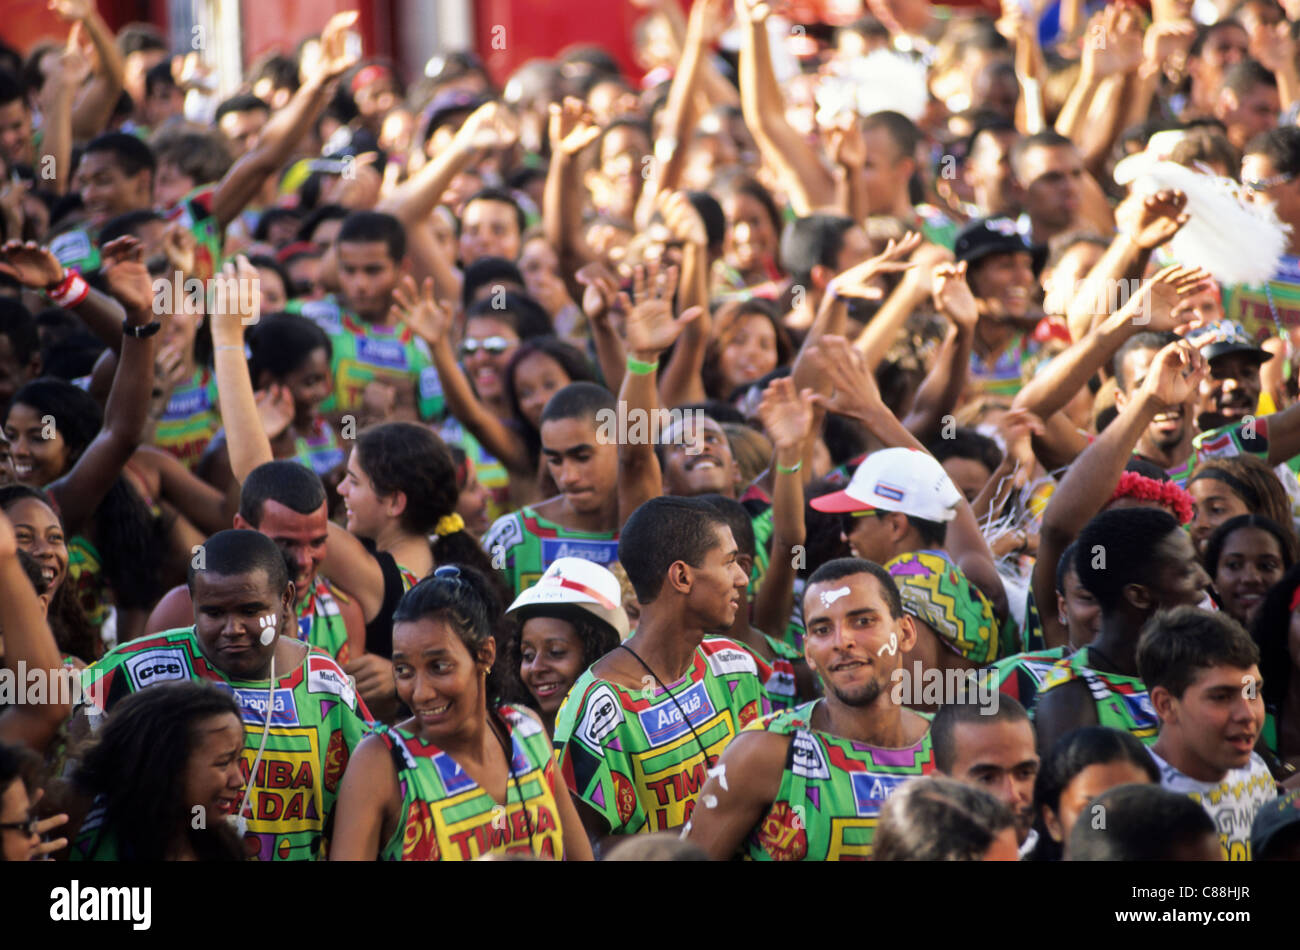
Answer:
(859, 440)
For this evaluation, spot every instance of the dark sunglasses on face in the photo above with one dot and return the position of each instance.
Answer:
(493, 345)
(26, 827)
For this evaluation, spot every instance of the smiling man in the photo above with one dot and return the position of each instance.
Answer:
(1002, 270)
(641, 729)
(1203, 672)
(243, 637)
(807, 784)
(583, 519)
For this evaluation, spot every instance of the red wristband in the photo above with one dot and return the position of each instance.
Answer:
(71, 291)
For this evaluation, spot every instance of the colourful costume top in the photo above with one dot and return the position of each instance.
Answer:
(831, 792)
(447, 816)
(524, 544)
(316, 721)
(1122, 701)
(630, 754)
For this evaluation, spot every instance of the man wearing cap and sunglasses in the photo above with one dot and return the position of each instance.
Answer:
(1270, 168)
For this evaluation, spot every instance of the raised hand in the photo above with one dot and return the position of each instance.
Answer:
(1017, 427)
(1168, 42)
(680, 217)
(243, 302)
(181, 247)
(31, 264)
(168, 373)
(1151, 220)
(845, 143)
(786, 414)
(753, 11)
(73, 9)
(126, 276)
(856, 281)
(334, 59)
(1160, 303)
(275, 407)
(650, 327)
(490, 126)
(600, 293)
(1113, 44)
(953, 297)
(427, 318)
(1174, 375)
(845, 368)
(572, 126)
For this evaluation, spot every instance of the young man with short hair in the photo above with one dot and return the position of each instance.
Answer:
(641, 729)
(807, 784)
(286, 502)
(1203, 673)
(369, 345)
(1134, 561)
(990, 747)
(937, 819)
(243, 637)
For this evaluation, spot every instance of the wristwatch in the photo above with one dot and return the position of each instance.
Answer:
(143, 332)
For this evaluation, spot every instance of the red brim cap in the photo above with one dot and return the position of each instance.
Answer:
(837, 502)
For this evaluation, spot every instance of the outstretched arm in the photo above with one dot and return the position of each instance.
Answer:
(287, 127)
(572, 130)
(857, 396)
(1172, 380)
(29, 642)
(432, 323)
(650, 329)
(787, 417)
(80, 491)
(943, 385)
(809, 183)
(347, 562)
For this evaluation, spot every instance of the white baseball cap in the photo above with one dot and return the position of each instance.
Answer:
(574, 583)
(904, 480)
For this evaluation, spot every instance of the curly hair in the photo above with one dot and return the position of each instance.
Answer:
(123, 524)
(596, 638)
(410, 458)
(137, 766)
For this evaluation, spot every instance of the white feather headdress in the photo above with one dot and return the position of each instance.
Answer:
(880, 81)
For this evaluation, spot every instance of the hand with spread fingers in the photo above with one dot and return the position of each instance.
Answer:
(857, 280)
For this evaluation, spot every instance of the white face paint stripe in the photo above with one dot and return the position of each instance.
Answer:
(830, 596)
(269, 620)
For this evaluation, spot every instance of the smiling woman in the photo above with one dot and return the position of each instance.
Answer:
(466, 775)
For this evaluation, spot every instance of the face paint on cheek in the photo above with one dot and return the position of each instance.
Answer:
(830, 596)
(269, 624)
(891, 646)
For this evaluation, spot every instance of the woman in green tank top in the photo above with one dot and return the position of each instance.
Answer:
(467, 775)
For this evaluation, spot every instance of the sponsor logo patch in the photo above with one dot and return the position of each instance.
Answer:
(728, 661)
(601, 717)
(602, 552)
(252, 704)
(157, 666)
(871, 791)
(663, 723)
(324, 676)
(806, 757)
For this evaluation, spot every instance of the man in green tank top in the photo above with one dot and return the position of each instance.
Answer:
(310, 719)
(1134, 561)
(642, 728)
(807, 784)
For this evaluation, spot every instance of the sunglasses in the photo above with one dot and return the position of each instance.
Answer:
(1263, 184)
(27, 827)
(493, 345)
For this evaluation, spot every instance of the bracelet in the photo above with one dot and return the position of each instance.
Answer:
(141, 332)
(228, 346)
(641, 368)
(70, 291)
(783, 470)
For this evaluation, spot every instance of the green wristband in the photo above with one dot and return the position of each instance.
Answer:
(640, 367)
(783, 470)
